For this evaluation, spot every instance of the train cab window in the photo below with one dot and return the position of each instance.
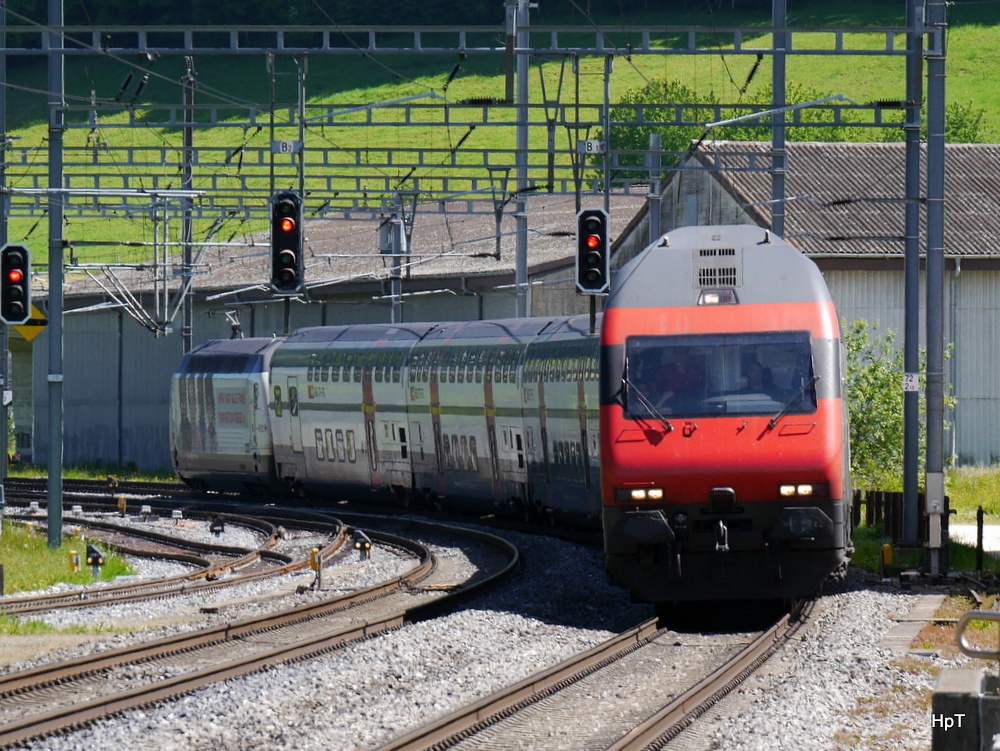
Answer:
(722, 374)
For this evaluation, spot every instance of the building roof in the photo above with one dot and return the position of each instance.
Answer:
(445, 242)
(842, 199)
(848, 198)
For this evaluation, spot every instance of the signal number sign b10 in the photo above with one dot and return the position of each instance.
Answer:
(15, 283)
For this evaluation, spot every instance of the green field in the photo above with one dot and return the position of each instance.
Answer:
(971, 71)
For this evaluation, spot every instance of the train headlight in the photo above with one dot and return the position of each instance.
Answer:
(718, 297)
(804, 490)
(639, 495)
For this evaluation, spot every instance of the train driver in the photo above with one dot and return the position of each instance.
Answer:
(683, 381)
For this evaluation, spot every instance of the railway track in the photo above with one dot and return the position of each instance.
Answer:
(57, 697)
(208, 561)
(37, 487)
(494, 721)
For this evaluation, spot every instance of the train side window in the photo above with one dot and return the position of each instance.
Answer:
(352, 451)
(341, 448)
(379, 366)
(324, 368)
(473, 456)
(338, 359)
(447, 451)
(329, 445)
(358, 366)
(477, 364)
(466, 462)
(397, 370)
(320, 454)
(312, 366)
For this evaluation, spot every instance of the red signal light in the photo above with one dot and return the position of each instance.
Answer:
(15, 276)
(592, 241)
(287, 225)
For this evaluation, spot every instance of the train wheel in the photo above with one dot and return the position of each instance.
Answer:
(666, 613)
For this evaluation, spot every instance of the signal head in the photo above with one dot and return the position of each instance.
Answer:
(593, 251)
(287, 265)
(15, 284)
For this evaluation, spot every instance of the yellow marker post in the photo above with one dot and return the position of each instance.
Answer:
(316, 564)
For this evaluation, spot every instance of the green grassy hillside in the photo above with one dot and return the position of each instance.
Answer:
(972, 69)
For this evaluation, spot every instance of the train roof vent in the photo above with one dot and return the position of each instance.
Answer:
(718, 267)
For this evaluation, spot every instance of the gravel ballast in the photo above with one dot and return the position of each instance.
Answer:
(820, 690)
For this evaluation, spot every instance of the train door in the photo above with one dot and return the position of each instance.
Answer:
(253, 397)
(293, 414)
(371, 437)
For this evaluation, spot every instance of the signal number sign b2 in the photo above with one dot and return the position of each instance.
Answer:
(15, 284)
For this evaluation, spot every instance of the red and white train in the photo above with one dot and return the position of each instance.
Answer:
(703, 428)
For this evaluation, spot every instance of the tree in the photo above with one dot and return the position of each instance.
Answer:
(963, 123)
(873, 385)
(660, 95)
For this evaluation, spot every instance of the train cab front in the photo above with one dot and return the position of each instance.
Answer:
(722, 477)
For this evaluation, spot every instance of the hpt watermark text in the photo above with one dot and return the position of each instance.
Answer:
(947, 721)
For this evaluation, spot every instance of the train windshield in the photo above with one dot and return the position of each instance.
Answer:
(719, 374)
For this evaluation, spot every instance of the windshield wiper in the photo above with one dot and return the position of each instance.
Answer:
(792, 402)
(653, 411)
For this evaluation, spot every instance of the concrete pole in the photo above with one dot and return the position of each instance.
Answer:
(778, 151)
(936, 23)
(521, 163)
(911, 274)
(56, 84)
